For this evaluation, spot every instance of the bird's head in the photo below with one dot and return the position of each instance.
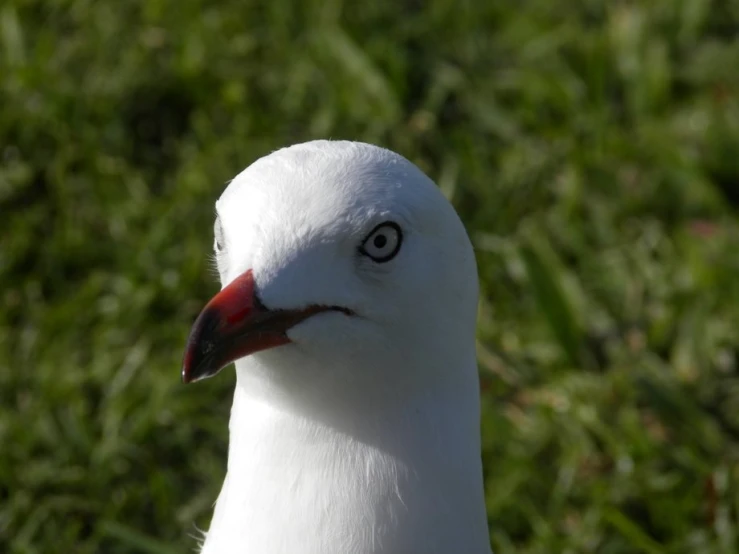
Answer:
(339, 252)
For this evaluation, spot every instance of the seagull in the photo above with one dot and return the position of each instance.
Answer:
(349, 306)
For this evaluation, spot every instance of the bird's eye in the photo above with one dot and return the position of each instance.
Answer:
(218, 242)
(383, 242)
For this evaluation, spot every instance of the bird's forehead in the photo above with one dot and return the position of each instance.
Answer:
(314, 192)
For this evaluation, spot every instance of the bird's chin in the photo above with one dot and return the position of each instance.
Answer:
(323, 329)
(335, 336)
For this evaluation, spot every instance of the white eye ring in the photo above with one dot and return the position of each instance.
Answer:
(383, 242)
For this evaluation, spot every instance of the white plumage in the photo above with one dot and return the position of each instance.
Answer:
(359, 432)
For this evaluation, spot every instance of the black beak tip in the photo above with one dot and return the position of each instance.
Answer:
(194, 370)
(186, 377)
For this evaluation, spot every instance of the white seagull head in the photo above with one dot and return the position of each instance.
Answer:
(338, 254)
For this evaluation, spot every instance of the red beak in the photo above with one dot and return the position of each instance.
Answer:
(235, 324)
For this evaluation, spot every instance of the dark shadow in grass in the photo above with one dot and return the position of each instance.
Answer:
(156, 116)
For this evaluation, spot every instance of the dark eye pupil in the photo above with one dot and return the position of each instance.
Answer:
(380, 241)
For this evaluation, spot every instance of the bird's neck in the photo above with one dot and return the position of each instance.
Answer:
(402, 479)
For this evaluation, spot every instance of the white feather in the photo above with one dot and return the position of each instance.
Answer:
(362, 435)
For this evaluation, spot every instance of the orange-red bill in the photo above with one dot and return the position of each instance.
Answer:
(235, 324)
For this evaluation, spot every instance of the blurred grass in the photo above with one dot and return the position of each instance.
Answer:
(592, 148)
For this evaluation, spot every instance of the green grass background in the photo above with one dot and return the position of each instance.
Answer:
(591, 147)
